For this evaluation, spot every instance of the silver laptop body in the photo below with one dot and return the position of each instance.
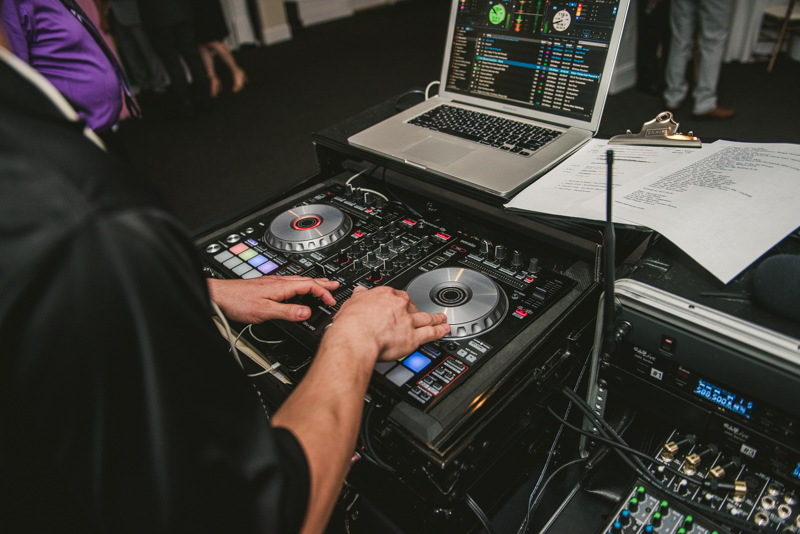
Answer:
(542, 62)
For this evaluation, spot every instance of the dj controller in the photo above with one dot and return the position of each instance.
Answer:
(507, 298)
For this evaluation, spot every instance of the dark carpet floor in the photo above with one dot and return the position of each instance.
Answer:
(256, 144)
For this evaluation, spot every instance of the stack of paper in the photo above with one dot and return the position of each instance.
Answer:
(725, 204)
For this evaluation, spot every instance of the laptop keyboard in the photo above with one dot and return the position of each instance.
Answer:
(504, 134)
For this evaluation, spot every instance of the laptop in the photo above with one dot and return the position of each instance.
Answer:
(523, 86)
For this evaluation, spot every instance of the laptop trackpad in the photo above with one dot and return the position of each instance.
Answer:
(437, 151)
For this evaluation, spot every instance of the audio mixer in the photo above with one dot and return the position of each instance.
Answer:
(708, 491)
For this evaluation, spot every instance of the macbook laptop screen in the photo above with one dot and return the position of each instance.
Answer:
(543, 55)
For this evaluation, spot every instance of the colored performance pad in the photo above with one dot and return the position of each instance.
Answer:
(252, 274)
(416, 362)
(267, 267)
(257, 260)
(400, 375)
(247, 254)
(223, 256)
(241, 269)
(238, 249)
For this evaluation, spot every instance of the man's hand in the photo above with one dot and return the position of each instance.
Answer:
(260, 299)
(384, 321)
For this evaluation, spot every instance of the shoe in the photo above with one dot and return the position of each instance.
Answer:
(717, 113)
(239, 79)
(216, 86)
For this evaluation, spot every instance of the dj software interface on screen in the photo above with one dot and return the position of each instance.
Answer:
(542, 54)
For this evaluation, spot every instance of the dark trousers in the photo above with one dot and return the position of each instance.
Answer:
(654, 37)
(171, 43)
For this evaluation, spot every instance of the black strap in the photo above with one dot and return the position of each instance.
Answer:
(79, 14)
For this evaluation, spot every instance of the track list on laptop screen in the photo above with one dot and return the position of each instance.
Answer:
(545, 55)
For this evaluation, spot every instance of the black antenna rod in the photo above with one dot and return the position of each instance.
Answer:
(609, 305)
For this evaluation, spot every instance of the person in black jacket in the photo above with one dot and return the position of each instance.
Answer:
(120, 408)
(170, 27)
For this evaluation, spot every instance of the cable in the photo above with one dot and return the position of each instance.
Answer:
(269, 369)
(524, 524)
(252, 334)
(629, 450)
(644, 473)
(399, 98)
(366, 442)
(374, 193)
(369, 170)
(428, 88)
(389, 189)
(228, 332)
(550, 478)
(479, 512)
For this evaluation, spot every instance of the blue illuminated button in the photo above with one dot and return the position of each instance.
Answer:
(257, 260)
(417, 362)
(648, 529)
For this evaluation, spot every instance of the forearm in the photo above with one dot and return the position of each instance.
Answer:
(324, 414)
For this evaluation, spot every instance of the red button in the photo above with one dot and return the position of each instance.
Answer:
(358, 234)
(521, 312)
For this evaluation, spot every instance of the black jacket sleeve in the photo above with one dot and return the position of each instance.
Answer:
(118, 392)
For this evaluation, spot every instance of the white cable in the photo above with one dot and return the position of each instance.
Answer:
(270, 369)
(428, 88)
(370, 169)
(374, 193)
(250, 327)
(229, 335)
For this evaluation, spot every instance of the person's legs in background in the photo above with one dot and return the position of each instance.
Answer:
(188, 49)
(714, 21)
(207, 56)
(239, 76)
(165, 41)
(652, 47)
(683, 20)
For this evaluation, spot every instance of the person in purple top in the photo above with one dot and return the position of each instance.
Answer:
(52, 40)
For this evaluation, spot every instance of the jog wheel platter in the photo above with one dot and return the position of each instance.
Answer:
(473, 303)
(307, 228)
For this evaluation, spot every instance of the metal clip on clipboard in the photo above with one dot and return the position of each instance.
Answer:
(661, 131)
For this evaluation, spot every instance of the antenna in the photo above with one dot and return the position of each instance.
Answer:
(609, 311)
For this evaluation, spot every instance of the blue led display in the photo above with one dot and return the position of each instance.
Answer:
(726, 399)
(797, 471)
(417, 362)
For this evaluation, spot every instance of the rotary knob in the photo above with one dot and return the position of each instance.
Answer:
(357, 265)
(516, 259)
(500, 253)
(381, 234)
(486, 249)
(367, 199)
(414, 250)
(533, 265)
(388, 265)
(380, 203)
(392, 228)
(349, 192)
(369, 242)
(425, 243)
(384, 249)
(401, 257)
